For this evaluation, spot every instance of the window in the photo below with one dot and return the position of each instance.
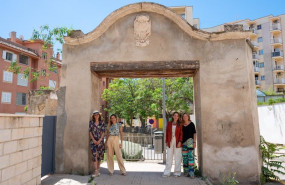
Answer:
(262, 77)
(44, 55)
(6, 97)
(103, 83)
(259, 27)
(43, 72)
(21, 80)
(24, 60)
(255, 63)
(21, 99)
(7, 76)
(9, 56)
(52, 84)
(260, 52)
(261, 65)
(259, 39)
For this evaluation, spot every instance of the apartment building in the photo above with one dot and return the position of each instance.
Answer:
(27, 54)
(187, 13)
(268, 57)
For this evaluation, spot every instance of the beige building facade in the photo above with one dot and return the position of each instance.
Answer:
(187, 13)
(268, 55)
(150, 40)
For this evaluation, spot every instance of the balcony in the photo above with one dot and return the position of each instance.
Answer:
(275, 28)
(254, 31)
(255, 44)
(277, 54)
(256, 70)
(257, 83)
(276, 41)
(278, 68)
(255, 56)
(280, 90)
(279, 81)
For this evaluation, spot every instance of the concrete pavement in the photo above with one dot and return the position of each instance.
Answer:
(138, 173)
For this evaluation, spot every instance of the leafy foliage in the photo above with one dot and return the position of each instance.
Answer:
(272, 101)
(278, 100)
(14, 68)
(269, 91)
(50, 36)
(271, 163)
(230, 179)
(143, 97)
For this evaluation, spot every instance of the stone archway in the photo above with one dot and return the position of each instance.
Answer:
(164, 44)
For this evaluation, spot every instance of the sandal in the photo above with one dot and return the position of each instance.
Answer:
(96, 174)
(124, 174)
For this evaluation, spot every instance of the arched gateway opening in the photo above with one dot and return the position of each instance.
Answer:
(149, 40)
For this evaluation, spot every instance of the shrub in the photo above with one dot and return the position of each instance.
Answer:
(271, 163)
(131, 151)
(230, 179)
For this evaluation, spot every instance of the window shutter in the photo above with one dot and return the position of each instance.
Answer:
(4, 55)
(14, 58)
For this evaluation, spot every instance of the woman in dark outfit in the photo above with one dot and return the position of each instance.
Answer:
(96, 133)
(188, 146)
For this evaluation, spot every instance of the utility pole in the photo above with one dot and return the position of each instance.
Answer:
(164, 119)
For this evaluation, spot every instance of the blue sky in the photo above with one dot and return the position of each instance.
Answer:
(23, 16)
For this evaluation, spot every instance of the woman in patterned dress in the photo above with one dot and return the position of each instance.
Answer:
(114, 134)
(96, 132)
(188, 146)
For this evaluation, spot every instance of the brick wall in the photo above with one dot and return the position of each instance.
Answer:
(20, 149)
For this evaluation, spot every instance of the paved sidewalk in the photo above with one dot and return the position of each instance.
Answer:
(138, 173)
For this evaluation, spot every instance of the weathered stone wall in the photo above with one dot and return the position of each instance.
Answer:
(42, 102)
(20, 149)
(224, 90)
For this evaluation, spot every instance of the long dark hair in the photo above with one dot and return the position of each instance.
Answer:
(109, 123)
(178, 121)
(93, 117)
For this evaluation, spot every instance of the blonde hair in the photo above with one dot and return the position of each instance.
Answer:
(109, 123)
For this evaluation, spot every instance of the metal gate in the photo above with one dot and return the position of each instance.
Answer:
(148, 147)
(48, 145)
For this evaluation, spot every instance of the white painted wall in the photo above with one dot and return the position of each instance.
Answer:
(272, 123)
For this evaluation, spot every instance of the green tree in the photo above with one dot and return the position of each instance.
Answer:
(50, 36)
(121, 98)
(143, 97)
(148, 99)
(179, 93)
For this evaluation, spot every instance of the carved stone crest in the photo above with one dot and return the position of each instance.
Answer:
(142, 30)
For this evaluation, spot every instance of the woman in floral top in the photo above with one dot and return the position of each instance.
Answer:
(114, 134)
(96, 132)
